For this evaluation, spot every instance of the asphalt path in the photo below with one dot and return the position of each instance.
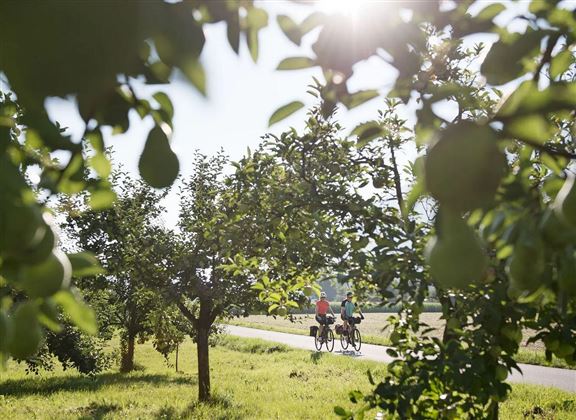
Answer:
(531, 374)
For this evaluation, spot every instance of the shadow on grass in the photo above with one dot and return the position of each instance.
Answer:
(97, 411)
(219, 406)
(47, 386)
(349, 353)
(316, 356)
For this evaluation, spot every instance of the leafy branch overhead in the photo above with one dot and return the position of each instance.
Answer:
(95, 53)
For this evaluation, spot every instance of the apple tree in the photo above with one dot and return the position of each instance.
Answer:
(95, 53)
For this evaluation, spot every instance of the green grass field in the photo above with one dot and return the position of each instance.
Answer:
(373, 332)
(251, 379)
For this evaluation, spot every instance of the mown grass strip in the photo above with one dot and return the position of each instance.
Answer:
(251, 379)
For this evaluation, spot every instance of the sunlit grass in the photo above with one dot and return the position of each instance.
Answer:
(251, 379)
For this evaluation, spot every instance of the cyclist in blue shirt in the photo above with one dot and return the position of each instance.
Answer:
(347, 308)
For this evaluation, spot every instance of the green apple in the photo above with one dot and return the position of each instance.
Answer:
(464, 167)
(527, 263)
(501, 373)
(46, 278)
(456, 256)
(27, 333)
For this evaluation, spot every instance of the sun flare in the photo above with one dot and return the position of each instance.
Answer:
(344, 7)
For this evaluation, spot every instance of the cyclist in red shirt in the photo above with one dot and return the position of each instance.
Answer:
(322, 308)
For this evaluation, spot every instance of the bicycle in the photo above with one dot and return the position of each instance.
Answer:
(354, 337)
(327, 336)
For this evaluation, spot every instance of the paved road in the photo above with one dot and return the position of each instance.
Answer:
(560, 378)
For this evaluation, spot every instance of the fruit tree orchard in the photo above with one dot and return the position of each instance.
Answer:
(500, 170)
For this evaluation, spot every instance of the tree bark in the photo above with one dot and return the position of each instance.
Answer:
(127, 350)
(203, 363)
(397, 179)
(494, 415)
(177, 346)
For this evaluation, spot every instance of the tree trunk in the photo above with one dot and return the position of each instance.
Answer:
(448, 310)
(177, 346)
(203, 363)
(127, 350)
(494, 411)
(397, 179)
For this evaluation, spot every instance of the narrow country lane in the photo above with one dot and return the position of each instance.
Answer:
(537, 375)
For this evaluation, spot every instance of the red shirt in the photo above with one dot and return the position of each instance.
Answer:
(322, 306)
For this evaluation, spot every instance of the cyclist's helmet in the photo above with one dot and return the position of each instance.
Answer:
(322, 294)
(349, 294)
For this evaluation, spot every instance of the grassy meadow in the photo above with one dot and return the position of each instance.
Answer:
(251, 379)
(373, 332)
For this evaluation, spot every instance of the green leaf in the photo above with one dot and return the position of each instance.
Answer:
(505, 60)
(274, 297)
(538, 6)
(101, 199)
(96, 141)
(233, 32)
(257, 286)
(284, 112)
(296, 63)
(355, 396)
(158, 164)
(257, 18)
(366, 132)
(552, 163)
(292, 304)
(360, 243)
(415, 193)
(370, 377)
(392, 352)
(101, 165)
(49, 322)
(358, 98)
(290, 28)
(530, 127)
(194, 71)
(85, 264)
(265, 280)
(33, 140)
(341, 412)
(491, 11)
(560, 63)
(312, 21)
(80, 314)
(527, 99)
(165, 102)
(252, 41)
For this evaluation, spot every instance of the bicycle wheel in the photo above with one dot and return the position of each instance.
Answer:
(329, 340)
(344, 341)
(317, 340)
(356, 339)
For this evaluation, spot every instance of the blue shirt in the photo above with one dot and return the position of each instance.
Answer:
(349, 308)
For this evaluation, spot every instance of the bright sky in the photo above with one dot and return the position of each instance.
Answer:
(241, 96)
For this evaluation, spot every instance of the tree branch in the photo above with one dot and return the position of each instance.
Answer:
(549, 150)
(546, 56)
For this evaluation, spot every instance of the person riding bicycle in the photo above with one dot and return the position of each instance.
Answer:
(322, 308)
(347, 308)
